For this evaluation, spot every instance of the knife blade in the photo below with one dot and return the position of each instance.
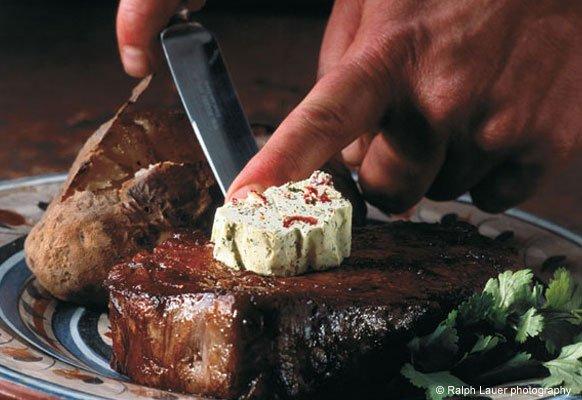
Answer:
(209, 99)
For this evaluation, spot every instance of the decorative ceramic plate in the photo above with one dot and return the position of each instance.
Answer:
(62, 350)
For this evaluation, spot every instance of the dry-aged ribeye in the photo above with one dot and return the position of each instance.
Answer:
(181, 320)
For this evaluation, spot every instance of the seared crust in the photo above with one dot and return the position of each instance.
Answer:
(181, 320)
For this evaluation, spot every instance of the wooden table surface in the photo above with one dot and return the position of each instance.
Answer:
(60, 78)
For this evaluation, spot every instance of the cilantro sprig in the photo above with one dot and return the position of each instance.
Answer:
(515, 328)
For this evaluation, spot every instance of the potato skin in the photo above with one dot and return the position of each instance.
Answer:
(79, 239)
(65, 250)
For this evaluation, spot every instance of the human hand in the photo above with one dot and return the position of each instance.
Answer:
(437, 98)
(139, 22)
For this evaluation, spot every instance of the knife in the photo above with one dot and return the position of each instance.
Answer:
(209, 99)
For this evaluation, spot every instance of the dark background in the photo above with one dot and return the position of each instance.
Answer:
(60, 77)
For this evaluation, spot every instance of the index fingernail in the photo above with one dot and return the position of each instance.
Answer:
(244, 191)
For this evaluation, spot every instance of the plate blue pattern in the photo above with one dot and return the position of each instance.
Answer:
(63, 349)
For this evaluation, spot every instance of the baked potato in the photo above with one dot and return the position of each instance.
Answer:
(140, 174)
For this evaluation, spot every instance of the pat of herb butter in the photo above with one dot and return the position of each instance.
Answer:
(287, 230)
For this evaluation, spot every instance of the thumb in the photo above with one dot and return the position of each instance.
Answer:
(138, 25)
(346, 102)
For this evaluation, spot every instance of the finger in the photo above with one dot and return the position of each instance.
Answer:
(506, 186)
(327, 120)
(339, 34)
(138, 24)
(489, 139)
(354, 153)
(395, 175)
(464, 166)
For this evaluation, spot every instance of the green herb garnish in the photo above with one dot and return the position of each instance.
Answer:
(514, 328)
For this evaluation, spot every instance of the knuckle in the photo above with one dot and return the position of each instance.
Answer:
(291, 161)
(384, 62)
(281, 165)
(490, 141)
(389, 56)
(502, 132)
(324, 122)
(443, 99)
(400, 46)
(562, 145)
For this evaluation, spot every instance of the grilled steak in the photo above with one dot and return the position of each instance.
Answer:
(182, 321)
